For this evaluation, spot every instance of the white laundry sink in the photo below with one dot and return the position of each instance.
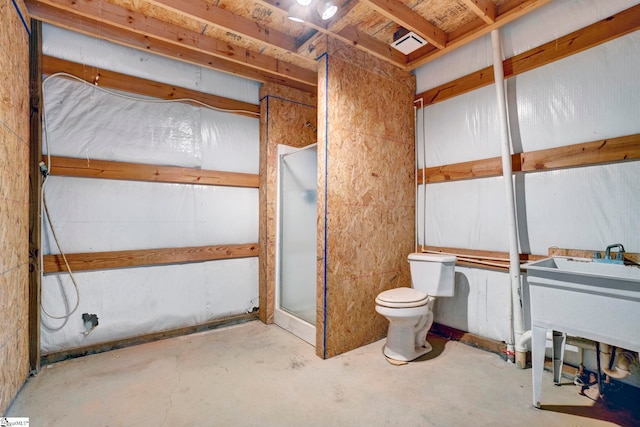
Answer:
(582, 298)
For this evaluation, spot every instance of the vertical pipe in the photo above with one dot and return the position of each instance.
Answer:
(515, 312)
(415, 190)
(424, 178)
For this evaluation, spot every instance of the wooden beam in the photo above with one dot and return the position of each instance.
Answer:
(593, 35)
(345, 33)
(508, 12)
(177, 44)
(209, 14)
(58, 356)
(35, 186)
(483, 168)
(144, 257)
(67, 166)
(403, 15)
(624, 148)
(485, 9)
(589, 153)
(113, 80)
(353, 36)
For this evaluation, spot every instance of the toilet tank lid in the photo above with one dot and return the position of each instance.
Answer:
(421, 256)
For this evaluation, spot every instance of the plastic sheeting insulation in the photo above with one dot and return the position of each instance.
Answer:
(92, 215)
(585, 97)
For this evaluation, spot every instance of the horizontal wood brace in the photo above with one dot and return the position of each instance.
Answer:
(146, 257)
(113, 80)
(480, 258)
(105, 169)
(57, 356)
(621, 149)
(585, 38)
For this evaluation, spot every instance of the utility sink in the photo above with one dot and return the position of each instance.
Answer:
(582, 298)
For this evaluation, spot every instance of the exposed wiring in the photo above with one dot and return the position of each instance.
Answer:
(45, 169)
(150, 100)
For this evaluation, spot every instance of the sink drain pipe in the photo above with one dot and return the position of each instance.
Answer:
(516, 322)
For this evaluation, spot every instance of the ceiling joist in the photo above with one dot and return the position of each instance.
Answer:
(254, 39)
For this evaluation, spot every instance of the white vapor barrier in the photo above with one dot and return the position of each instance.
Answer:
(583, 208)
(84, 121)
(589, 96)
(480, 304)
(75, 47)
(460, 129)
(94, 215)
(464, 214)
(519, 36)
(137, 301)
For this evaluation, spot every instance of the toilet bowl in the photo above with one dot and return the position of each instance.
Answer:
(410, 310)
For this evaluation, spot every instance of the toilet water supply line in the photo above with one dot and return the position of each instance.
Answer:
(516, 322)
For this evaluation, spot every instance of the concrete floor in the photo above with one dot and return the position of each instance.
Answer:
(260, 375)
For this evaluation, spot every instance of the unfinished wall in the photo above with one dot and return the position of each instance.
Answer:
(592, 95)
(288, 117)
(14, 200)
(366, 197)
(101, 215)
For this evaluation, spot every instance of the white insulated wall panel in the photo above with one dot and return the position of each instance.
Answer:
(480, 305)
(518, 37)
(90, 215)
(583, 208)
(461, 129)
(465, 214)
(75, 47)
(137, 301)
(589, 96)
(94, 215)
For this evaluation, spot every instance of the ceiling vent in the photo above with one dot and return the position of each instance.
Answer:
(407, 41)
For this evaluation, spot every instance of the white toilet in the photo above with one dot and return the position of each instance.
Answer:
(410, 310)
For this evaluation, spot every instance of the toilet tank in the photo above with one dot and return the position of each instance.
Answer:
(433, 273)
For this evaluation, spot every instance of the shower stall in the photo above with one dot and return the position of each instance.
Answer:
(296, 241)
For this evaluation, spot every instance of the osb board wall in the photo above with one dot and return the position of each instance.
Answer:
(366, 137)
(287, 116)
(14, 201)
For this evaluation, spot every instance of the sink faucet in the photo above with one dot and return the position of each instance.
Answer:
(607, 254)
(619, 259)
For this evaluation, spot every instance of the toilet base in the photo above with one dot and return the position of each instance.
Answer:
(401, 359)
(407, 334)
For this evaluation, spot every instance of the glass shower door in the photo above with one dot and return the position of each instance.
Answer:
(296, 293)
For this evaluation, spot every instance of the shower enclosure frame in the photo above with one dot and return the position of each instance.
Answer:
(283, 318)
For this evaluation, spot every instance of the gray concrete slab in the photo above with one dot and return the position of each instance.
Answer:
(260, 375)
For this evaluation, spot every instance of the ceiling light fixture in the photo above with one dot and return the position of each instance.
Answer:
(326, 9)
(304, 2)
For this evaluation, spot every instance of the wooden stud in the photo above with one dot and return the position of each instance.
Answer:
(35, 185)
(144, 257)
(67, 166)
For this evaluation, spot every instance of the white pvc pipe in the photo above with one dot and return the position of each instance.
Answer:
(515, 313)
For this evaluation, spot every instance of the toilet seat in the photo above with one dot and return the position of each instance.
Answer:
(402, 298)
